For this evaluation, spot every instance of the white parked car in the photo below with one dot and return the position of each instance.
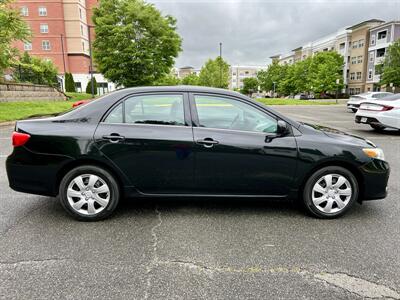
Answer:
(354, 102)
(380, 114)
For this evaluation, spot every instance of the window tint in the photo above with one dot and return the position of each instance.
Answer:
(152, 109)
(225, 113)
(115, 116)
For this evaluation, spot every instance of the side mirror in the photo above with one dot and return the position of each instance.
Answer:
(282, 128)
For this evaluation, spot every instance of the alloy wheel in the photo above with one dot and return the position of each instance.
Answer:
(88, 194)
(331, 193)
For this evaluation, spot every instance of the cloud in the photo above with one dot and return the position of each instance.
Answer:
(252, 31)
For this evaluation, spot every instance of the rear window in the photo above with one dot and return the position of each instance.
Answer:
(391, 97)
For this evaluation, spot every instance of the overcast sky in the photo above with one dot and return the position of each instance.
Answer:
(253, 30)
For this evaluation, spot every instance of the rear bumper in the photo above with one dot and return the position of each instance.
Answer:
(376, 175)
(384, 119)
(34, 173)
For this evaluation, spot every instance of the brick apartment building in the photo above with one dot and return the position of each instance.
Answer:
(60, 31)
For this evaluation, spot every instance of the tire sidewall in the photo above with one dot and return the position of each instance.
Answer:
(103, 174)
(307, 192)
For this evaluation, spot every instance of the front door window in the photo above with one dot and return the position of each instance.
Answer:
(226, 113)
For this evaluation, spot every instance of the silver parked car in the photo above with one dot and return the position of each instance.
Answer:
(355, 101)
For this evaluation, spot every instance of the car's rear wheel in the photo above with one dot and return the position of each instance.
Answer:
(354, 110)
(89, 193)
(330, 192)
(377, 127)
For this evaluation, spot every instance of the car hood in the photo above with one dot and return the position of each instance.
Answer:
(341, 135)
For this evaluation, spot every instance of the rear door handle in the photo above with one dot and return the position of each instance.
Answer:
(207, 142)
(114, 137)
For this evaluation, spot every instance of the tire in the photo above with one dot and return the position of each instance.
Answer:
(328, 203)
(354, 110)
(89, 193)
(377, 127)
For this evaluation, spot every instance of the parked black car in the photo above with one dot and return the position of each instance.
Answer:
(190, 141)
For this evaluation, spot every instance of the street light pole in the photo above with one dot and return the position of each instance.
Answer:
(274, 88)
(220, 65)
(91, 61)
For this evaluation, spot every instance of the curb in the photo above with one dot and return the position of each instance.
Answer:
(3, 124)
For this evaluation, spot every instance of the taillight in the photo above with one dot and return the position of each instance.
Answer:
(387, 107)
(19, 139)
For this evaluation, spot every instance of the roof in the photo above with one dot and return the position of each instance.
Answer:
(385, 24)
(186, 67)
(365, 23)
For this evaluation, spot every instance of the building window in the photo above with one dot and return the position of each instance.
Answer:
(42, 11)
(358, 75)
(47, 59)
(360, 43)
(370, 74)
(382, 35)
(380, 52)
(44, 28)
(358, 91)
(371, 56)
(81, 29)
(46, 45)
(24, 11)
(354, 45)
(80, 13)
(234, 74)
(372, 39)
(352, 76)
(359, 59)
(83, 46)
(341, 46)
(78, 87)
(28, 46)
(353, 60)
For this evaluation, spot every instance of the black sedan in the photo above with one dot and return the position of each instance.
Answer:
(190, 141)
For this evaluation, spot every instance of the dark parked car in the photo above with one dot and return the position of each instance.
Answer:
(190, 141)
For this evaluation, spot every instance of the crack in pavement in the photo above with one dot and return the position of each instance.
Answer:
(33, 261)
(155, 261)
(359, 286)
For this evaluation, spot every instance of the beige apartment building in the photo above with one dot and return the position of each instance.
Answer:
(359, 56)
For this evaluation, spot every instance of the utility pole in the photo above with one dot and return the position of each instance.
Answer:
(63, 56)
(91, 61)
(220, 65)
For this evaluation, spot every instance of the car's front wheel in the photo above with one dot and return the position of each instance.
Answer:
(89, 193)
(330, 192)
(377, 127)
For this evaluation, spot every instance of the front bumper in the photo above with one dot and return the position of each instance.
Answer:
(376, 175)
(352, 106)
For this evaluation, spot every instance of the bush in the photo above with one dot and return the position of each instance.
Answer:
(35, 70)
(89, 87)
(69, 83)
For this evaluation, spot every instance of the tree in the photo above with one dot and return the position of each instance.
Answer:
(272, 77)
(12, 28)
(250, 85)
(69, 83)
(215, 73)
(35, 70)
(89, 87)
(191, 79)
(324, 69)
(135, 45)
(390, 70)
(168, 79)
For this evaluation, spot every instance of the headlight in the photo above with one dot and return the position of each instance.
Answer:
(374, 153)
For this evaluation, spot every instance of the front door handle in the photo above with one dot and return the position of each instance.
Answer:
(114, 137)
(207, 142)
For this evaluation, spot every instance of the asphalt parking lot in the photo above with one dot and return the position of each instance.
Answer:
(204, 249)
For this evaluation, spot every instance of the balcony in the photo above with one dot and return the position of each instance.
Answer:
(379, 60)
